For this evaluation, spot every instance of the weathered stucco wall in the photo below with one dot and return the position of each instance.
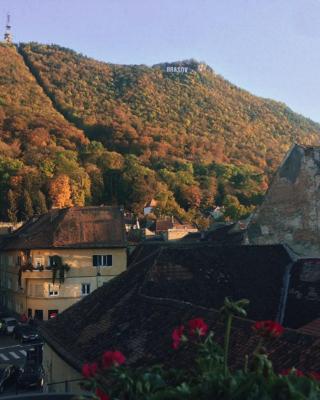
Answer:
(59, 376)
(290, 212)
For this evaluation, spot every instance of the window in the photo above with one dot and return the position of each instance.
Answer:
(102, 260)
(53, 290)
(52, 313)
(52, 262)
(38, 262)
(85, 288)
(29, 312)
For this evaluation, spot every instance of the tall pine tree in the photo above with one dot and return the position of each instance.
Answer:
(41, 203)
(12, 207)
(27, 208)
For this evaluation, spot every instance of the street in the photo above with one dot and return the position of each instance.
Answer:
(13, 352)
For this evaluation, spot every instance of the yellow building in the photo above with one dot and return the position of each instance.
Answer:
(54, 260)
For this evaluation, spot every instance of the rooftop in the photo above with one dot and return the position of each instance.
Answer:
(167, 285)
(76, 227)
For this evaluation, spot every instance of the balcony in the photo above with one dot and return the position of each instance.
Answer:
(37, 273)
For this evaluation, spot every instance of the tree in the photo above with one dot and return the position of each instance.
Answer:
(60, 192)
(41, 207)
(27, 208)
(12, 207)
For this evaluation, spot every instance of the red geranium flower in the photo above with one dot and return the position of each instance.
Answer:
(198, 327)
(177, 336)
(315, 375)
(94, 368)
(271, 329)
(101, 394)
(89, 370)
(112, 358)
(288, 371)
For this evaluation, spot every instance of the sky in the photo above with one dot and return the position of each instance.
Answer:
(268, 47)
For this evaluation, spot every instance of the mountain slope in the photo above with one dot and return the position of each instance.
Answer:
(35, 140)
(189, 140)
(154, 114)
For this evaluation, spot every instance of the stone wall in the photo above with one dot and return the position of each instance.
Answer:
(290, 212)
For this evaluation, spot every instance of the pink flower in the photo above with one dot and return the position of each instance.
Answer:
(101, 394)
(177, 336)
(112, 358)
(270, 329)
(198, 327)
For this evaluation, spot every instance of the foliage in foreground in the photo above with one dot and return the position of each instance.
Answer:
(206, 374)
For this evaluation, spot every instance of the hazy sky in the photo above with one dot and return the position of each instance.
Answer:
(269, 47)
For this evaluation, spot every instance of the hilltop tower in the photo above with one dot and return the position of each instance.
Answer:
(8, 34)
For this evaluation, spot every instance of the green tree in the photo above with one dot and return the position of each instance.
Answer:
(27, 208)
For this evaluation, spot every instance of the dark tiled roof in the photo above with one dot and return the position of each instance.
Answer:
(225, 234)
(216, 272)
(303, 303)
(126, 315)
(76, 227)
(313, 328)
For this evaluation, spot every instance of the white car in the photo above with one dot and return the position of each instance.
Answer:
(8, 325)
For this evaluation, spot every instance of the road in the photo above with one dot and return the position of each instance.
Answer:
(13, 352)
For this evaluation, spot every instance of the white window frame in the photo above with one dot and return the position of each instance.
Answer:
(87, 287)
(53, 290)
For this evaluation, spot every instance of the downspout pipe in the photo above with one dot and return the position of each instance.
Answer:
(284, 293)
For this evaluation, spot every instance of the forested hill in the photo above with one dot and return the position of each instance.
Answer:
(191, 139)
(36, 142)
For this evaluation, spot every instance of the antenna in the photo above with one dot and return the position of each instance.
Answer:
(8, 34)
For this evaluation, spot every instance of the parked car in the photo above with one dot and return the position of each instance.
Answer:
(7, 325)
(25, 333)
(31, 375)
(8, 375)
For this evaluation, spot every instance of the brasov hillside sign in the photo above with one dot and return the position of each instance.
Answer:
(178, 69)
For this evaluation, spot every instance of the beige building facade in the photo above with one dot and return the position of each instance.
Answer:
(36, 295)
(27, 268)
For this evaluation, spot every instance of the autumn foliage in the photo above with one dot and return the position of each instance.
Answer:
(127, 134)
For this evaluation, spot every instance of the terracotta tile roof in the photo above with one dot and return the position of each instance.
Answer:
(130, 315)
(76, 227)
(313, 328)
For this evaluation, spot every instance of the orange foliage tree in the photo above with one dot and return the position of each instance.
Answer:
(60, 192)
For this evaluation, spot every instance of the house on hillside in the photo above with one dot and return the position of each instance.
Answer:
(290, 212)
(150, 206)
(54, 260)
(167, 284)
(171, 228)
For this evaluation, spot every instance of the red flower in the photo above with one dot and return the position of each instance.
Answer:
(270, 329)
(177, 336)
(89, 370)
(94, 368)
(101, 394)
(288, 371)
(315, 375)
(198, 327)
(112, 358)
